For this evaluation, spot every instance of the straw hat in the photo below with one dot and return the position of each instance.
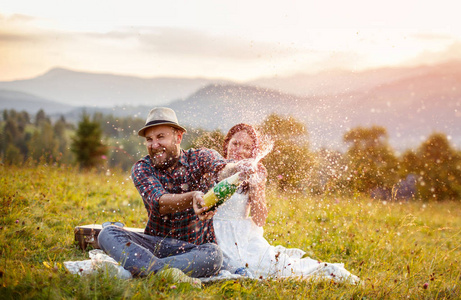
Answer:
(160, 116)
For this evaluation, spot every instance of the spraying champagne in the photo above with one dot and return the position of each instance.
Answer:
(228, 186)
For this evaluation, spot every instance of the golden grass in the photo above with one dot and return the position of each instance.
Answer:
(399, 250)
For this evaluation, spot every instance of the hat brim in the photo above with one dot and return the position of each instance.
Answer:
(142, 131)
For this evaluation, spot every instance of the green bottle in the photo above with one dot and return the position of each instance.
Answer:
(222, 191)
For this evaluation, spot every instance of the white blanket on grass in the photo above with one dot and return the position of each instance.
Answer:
(99, 261)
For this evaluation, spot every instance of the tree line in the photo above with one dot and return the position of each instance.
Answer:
(98, 141)
(369, 166)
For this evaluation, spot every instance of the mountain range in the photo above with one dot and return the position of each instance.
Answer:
(106, 90)
(410, 102)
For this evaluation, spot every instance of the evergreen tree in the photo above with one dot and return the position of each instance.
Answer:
(15, 135)
(59, 130)
(87, 143)
(43, 145)
(41, 117)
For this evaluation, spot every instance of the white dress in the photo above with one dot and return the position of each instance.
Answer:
(243, 245)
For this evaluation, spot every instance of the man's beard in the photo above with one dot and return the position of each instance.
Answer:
(167, 159)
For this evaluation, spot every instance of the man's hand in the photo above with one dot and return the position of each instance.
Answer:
(199, 207)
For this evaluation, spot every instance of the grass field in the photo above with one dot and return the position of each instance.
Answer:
(399, 250)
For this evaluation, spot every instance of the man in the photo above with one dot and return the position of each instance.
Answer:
(171, 181)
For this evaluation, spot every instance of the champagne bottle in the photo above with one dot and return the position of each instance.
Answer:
(222, 191)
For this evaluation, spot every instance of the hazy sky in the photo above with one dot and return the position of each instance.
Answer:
(237, 40)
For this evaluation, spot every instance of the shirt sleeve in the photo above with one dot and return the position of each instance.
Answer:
(148, 186)
(211, 162)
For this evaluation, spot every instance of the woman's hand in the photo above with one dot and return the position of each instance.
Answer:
(259, 178)
(246, 167)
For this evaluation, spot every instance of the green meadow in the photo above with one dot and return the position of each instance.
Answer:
(400, 250)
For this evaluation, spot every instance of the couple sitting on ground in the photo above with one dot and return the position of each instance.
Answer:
(181, 237)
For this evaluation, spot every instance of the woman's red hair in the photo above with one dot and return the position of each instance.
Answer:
(250, 130)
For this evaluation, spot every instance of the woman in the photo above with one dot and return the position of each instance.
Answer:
(240, 236)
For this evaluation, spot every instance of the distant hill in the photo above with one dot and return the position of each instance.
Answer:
(106, 90)
(410, 102)
(20, 101)
(328, 82)
(332, 82)
(410, 108)
(221, 106)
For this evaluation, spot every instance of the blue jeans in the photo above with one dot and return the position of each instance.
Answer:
(143, 254)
